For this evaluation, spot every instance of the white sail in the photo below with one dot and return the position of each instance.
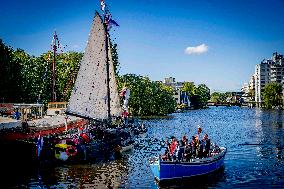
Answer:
(89, 97)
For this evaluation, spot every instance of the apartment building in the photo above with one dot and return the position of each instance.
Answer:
(271, 70)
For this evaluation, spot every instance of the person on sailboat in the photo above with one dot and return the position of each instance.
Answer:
(125, 93)
(125, 117)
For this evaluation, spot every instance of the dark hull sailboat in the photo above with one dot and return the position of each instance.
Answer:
(95, 96)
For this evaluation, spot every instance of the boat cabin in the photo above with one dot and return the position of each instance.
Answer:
(28, 111)
(55, 108)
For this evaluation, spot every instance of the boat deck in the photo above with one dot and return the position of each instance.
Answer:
(44, 126)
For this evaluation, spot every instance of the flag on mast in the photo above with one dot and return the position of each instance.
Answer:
(110, 22)
(103, 5)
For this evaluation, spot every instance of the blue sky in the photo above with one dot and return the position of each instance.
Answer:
(153, 35)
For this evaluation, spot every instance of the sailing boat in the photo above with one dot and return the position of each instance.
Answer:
(95, 95)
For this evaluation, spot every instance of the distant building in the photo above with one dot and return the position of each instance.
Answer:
(234, 97)
(252, 87)
(245, 88)
(246, 92)
(271, 70)
(180, 96)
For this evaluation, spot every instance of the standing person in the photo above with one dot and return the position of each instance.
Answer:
(173, 148)
(199, 131)
(125, 117)
(184, 140)
(206, 145)
(17, 114)
(199, 148)
(193, 145)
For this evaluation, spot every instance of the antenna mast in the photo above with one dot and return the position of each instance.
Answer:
(54, 47)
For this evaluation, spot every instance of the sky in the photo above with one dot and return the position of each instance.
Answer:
(215, 42)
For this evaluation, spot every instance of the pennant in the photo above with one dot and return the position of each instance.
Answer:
(110, 22)
(113, 22)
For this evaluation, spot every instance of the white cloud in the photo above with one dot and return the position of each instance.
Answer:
(196, 50)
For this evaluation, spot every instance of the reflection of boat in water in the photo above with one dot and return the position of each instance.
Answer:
(166, 170)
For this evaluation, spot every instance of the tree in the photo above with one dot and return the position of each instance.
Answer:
(66, 70)
(203, 93)
(215, 97)
(218, 97)
(189, 88)
(114, 55)
(272, 95)
(10, 72)
(147, 97)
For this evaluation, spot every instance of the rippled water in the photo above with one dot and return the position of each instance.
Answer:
(254, 139)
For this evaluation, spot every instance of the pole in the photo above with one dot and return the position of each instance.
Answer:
(107, 69)
(53, 68)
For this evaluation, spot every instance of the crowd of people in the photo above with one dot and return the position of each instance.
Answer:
(185, 149)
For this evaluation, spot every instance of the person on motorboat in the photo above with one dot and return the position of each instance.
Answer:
(206, 144)
(199, 147)
(173, 148)
(199, 131)
(180, 152)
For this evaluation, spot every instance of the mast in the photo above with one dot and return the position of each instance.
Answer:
(107, 69)
(54, 67)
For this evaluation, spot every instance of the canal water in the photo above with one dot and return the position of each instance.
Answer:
(255, 158)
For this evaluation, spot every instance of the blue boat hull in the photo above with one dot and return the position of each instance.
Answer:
(165, 170)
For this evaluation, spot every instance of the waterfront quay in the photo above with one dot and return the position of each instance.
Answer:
(253, 137)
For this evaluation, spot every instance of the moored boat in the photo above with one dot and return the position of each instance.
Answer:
(167, 170)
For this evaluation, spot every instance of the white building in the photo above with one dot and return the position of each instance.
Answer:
(268, 71)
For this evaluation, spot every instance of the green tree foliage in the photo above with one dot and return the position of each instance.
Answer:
(218, 97)
(35, 81)
(198, 96)
(204, 95)
(147, 97)
(272, 95)
(10, 73)
(25, 77)
(189, 88)
(67, 69)
(114, 55)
